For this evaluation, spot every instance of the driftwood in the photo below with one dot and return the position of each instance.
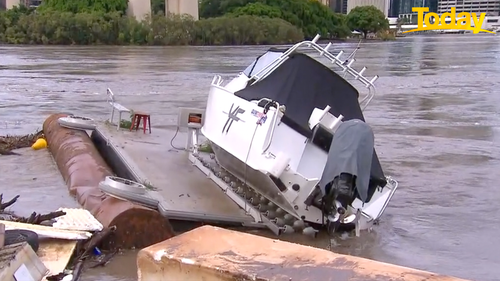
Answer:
(82, 253)
(78, 270)
(57, 277)
(9, 143)
(7, 152)
(83, 247)
(7, 204)
(35, 218)
(96, 240)
(105, 259)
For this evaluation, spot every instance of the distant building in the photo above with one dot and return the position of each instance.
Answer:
(189, 7)
(31, 3)
(490, 7)
(338, 6)
(382, 5)
(139, 8)
(403, 8)
(9, 4)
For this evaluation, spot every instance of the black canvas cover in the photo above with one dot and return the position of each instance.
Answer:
(351, 152)
(301, 84)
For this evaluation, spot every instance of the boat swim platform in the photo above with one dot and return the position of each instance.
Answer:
(212, 253)
(182, 190)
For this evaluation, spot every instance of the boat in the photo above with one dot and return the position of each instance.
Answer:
(290, 145)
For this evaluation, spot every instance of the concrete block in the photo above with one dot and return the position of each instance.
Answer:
(9, 4)
(180, 7)
(211, 253)
(139, 9)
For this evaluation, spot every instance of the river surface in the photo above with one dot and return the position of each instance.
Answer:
(436, 121)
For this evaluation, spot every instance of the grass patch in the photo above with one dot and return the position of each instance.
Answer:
(206, 147)
(125, 124)
(149, 186)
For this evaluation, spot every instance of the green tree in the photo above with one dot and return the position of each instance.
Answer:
(81, 6)
(309, 15)
(367, 19)
(20, 26)
(257, 9)
(217, 8)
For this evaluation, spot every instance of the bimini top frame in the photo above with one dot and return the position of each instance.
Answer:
(345, 66)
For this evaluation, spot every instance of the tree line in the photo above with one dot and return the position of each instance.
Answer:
(25, 26)
(223, 22)
(310, 16)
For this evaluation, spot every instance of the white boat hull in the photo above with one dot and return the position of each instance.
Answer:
(239, 149)
(274, 168)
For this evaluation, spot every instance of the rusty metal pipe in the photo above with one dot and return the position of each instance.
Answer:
(82, 168)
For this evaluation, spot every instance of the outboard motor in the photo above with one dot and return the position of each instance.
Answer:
(342, 189)
(347, 171)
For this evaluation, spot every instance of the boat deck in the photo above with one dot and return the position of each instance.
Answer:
(182, 190)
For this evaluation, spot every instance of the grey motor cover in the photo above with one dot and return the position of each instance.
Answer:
(351, 152)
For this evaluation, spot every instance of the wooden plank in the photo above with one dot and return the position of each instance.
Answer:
(55, 254)
(19, 262)
(48, 231)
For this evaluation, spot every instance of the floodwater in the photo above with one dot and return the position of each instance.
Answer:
(435, 116)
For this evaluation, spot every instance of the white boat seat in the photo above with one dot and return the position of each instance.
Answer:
(116, 106)
(119, 107)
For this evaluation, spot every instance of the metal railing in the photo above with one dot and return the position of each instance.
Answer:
(345, 66)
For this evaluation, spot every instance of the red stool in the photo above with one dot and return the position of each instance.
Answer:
(136, 121)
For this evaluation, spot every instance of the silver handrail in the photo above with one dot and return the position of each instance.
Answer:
(217, 80)
(110, 95)
(336, 59)
(395, 185)
(273, 125)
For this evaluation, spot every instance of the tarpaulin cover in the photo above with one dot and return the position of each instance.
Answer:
(351, 152)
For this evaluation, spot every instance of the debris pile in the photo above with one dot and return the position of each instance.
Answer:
(86, 253)
(34, 218)
(88, 250)
(9, 143)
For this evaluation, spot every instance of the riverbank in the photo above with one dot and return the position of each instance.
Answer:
(56, 28)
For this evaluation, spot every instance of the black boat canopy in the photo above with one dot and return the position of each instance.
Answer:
(301, 84)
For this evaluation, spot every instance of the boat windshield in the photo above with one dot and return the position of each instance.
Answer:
(261, 62)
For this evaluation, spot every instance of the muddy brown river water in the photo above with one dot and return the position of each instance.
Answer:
(436, 119)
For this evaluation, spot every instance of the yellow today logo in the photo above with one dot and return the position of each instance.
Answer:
(463, 22)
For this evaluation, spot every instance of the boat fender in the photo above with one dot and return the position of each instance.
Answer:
(77, 123)
(279, 165)
(125, 185)
(39, 144)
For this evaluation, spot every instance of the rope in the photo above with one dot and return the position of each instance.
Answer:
(246, 160)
